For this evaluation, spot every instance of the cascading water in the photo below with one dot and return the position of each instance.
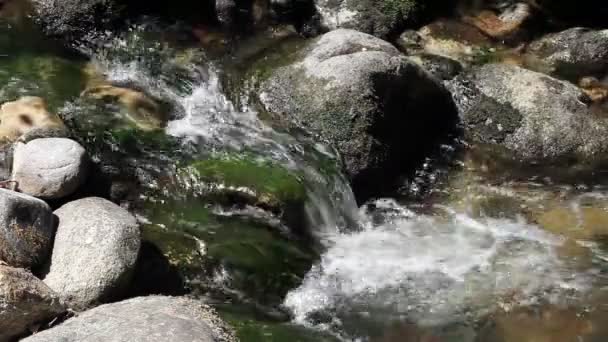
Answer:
(393, 263)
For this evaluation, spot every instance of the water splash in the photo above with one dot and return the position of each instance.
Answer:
(432, 269)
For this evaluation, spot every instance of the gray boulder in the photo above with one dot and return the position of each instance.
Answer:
(153, 318)
(24, 302)
(536, 118)
(574, 53)
(96, 246)
(379, 18)
(380, 109)
(26, 229)
(49, 168)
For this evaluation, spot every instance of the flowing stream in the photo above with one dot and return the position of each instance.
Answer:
(476, 260)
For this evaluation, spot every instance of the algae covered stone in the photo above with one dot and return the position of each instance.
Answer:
(242, 180)
(228, 252)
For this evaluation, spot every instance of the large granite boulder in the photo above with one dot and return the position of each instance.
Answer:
(574, 53)
(96, 247)
(380, 109)
(534, 117)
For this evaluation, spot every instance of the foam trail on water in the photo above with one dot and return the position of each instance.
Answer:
(431, 269)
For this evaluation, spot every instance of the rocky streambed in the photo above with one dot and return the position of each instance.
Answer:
(303, 171)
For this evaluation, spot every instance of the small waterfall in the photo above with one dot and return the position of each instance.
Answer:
(206, 117)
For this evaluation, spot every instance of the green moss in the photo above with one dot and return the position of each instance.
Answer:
(181, 250)
(485, 55)
(273, 184)
(260, 261)
(50, 77)
(397, 10)
(250, 329)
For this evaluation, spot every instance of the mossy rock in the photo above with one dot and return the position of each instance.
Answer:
(233, 180)
(259, 261)
(53, 78)
(252, 329)
(183, 251)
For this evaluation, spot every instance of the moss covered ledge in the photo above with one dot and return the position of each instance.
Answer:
(239, 180)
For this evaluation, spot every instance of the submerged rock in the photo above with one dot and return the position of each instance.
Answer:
(25, 301)
(26, 229)
(143, 319)
(441, 67)
(143, 111)
(448, 38)
(574, 53)
(95, 251)
(28, 116)
(50, 168)
(235, 181)
(377, 107)
(227, 254)
(536, 118)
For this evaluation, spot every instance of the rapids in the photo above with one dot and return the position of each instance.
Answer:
(467, 266)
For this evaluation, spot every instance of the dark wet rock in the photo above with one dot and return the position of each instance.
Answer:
(25, 302)
(50, 168)
(227, 11)
(448, 38)
(575, 13)
(358, 92)
(533, 116)
(379, 18)
(574, 53)
(143, 319)
(441, 67)
(75, 18)
(26, 229)
(96, 247)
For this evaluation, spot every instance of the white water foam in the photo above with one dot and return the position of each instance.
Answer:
(432, 270)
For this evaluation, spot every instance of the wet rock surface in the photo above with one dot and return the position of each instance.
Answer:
(96, 247)
(26, 229)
